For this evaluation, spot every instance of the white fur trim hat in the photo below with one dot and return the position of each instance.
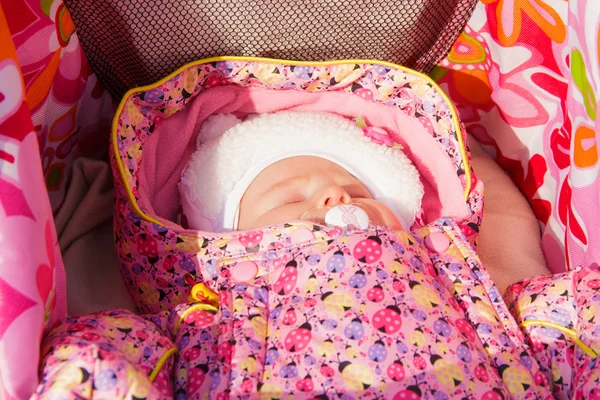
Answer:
(231, 153)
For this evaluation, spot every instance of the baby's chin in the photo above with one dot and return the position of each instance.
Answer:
(392, 223)
(379, 216)
(395, 225)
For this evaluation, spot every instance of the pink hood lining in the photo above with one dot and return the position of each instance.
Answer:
(167, 150)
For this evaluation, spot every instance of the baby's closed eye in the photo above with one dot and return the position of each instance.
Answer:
(293, 199)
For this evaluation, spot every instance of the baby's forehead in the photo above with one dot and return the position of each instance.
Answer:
(314, 164)
(298, 167)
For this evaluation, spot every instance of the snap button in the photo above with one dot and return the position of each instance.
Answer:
(437, 242)
(244, 271)
(200, 292)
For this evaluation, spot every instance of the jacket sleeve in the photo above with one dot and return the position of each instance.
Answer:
(559, 316)
(108, 355)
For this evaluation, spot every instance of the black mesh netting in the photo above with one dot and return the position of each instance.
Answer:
(136, 42)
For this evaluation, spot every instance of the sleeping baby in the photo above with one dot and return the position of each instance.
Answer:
(290, 171)
(323, 281)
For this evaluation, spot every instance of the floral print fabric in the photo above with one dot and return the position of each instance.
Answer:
(32, 284)
(523, 75)
(69, 107)
(52, 110)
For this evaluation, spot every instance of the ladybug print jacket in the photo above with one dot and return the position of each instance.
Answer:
(309, 312)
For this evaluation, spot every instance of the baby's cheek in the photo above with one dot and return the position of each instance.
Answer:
(391, 221)
(381, 215)
(279, 216)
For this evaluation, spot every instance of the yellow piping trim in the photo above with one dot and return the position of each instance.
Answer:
(136, 208)
(161, 363)
(567, 331)
(199, 306)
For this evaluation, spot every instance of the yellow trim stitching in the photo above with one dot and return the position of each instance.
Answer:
(134, 204)
(199, 306)
(161, 362)
(567, 331)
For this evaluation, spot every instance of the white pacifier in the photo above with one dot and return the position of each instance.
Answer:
(347, 216)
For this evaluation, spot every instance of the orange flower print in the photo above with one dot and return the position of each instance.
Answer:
(509, 16)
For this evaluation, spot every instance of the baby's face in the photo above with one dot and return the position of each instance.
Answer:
(286, 190)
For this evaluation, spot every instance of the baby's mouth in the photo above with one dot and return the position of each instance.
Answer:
(345, 216)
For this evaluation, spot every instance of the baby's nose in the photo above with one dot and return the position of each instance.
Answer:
(332, 196)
